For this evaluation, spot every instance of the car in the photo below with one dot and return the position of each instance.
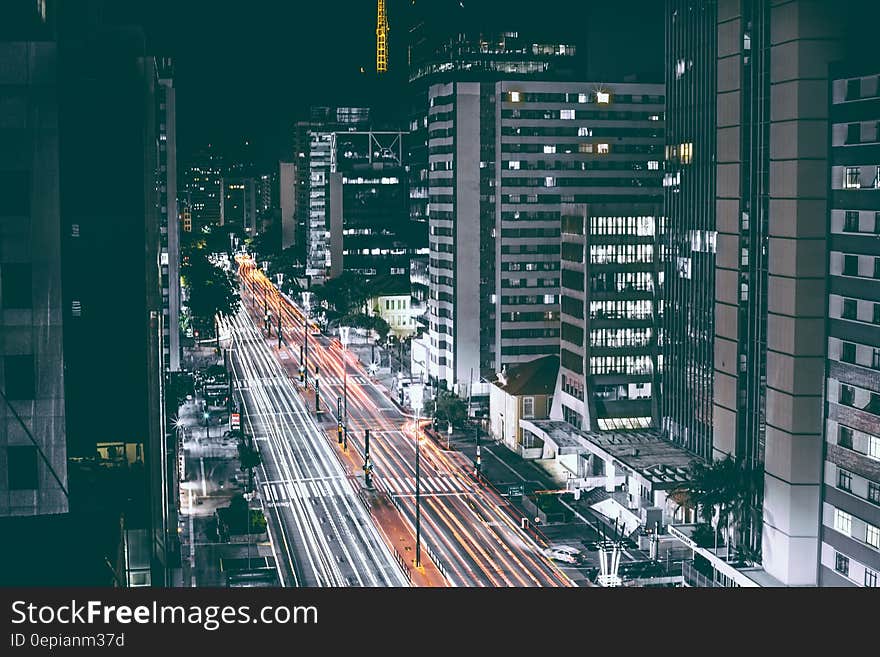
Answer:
(564, 553)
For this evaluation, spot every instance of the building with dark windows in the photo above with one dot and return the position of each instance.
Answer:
(609, 315)
(369, 223)
(85, 363)
(495, 246)
(169, 228)
(238, 203)
(312, 167)
(850, 531)
(203, 183)
(689, 243)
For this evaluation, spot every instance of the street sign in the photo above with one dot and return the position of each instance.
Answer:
(236, 420)
(416, 396)
(515, 491)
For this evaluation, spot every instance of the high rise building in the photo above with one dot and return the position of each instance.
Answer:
(287, 193)
(689, 243)
(169, 228)
(313, 139)
(504, 156)
(238, 203)
(850, 532)
(367, 204)
(82, 294)
(203, 183)
(33, 430)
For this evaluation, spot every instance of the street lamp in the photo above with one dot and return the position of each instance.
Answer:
(280, 278)
(415, 396)
(304, 354)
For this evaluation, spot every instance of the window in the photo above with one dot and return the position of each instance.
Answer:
(842, 522)
(877, 214)
(853, 89)
(584, 132)
(566, 114)
(873, 492)
(872, 536)
(841, 563)
(582, 98)
(849, 309)
(876, 318)
(870, 578)
(16, 285)
(844, 480)
(602, 149)
(851, 178)
(513, 164)
(848, 352)
(549, 149)
(876, 267)
(528, 407)
(653, 165)
(851, 221)
(875, 359)
(603, 97)
(585, 148)
(19, 377)
(549, 181)
(514, 96)
(687, 153)
(846, 395)
(845, 437)
(874, 447)
(22, 468)
(853, 133)
(850, 265)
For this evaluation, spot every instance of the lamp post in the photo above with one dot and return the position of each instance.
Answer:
(416, 400)
(317, 393)
(280, 278)
(304, 355)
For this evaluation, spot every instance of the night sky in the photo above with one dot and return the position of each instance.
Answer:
(248, 70)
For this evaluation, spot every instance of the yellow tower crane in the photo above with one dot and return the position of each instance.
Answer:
(381, 38)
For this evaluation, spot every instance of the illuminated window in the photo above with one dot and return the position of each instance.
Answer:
(851, 178)
(687, 153)
(585, 148)
(841, 563)
(653, 165)
(529, 407)
(584, 132)
(549, 149)
(582, 98)
(549, 181)
(566, 114)
(872, 536)
(513, 164)
(602, 149)
(514, 96)
(603, 97)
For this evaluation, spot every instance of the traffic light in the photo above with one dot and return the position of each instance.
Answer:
(339, 432)
(302, 373)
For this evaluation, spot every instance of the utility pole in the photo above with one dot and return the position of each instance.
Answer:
(477, 461)
(279, 324)
(368, 467)
(418, 497)
(339, 420)
(317, 393)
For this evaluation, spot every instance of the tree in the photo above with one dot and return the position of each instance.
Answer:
(238, 518)
(341, 296)
(211, 289)
(732, 488)
(450, 408)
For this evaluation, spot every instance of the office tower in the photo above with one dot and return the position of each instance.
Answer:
(850, 531)
(169, 228)
(238, 203)
(313, 146)
(264, 192)
(203, 182)
(367, 205)
(34, 314)
(83, 306)
(689, 242)
(503, 158)
(609, 313)
(287, 193)
(772, 95)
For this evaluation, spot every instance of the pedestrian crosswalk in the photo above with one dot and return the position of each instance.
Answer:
(339, 381)
(440, 485)
(284, 491)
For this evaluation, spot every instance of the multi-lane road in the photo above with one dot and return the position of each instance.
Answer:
(464, 529)
(322, 533)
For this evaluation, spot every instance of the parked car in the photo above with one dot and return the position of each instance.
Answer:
(564, 553)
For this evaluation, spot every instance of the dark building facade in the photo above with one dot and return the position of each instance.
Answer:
(689, 242)
(369, 224)
(850, 532)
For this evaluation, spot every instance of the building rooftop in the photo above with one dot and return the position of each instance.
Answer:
(657, 460)
(535, 377)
